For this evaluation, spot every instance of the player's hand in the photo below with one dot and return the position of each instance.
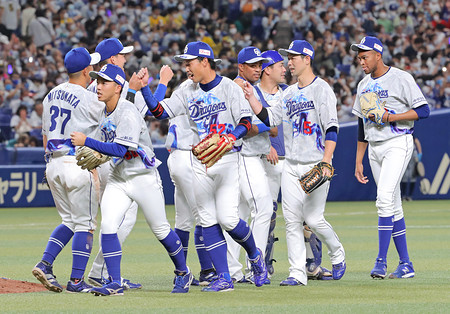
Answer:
(135, 82)
(359, 168)
(272, 157)
(240, 82)
(77, 138)
(143, 76)
(248, 91)
(165, 75)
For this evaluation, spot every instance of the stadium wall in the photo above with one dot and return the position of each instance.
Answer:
(22, 169)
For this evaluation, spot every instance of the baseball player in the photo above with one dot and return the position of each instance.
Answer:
(310, 132)
(67, 107)
(390, 147)
(215, 105)
(255, 199)
(269, 89)
(133, 177)
(112, 51)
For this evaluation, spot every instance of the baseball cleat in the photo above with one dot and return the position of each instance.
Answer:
(44, 273)
(379, 271)
(112, 288)
(259, 269)
(195, 282)
(242, 280)
(339, 270)
(207, 276)
(291, 281)
(80, 287)
(128, 285)
(183, 281)
(404, 270)
(220, 284)
(97, 282)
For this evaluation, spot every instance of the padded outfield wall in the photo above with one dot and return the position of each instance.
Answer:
(22, 169)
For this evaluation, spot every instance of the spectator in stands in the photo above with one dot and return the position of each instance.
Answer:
(9, 17)
(20, 122)
(41, 29)
(36, 116)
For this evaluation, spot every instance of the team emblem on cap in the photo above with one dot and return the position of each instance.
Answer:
(185, 49)
(363, 40)
(257, 52)
(291, 45)
(103, 68)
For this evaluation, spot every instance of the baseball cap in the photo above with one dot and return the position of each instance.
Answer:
(273, 57)
(111, 47)
(299, 47)
(110, 72)
(369, 43)
(196, 49)
(250, 55)
(78, 59)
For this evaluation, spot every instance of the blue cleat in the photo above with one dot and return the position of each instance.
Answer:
(98, 282)
(195, 282)
(259, 269)
(128, 285)
(220, 284)
(379, 271)
(207, 276)
(291, 281)
(80, 287)
(339, 270)
(404, 270)
(112, 288)
(182, 282)
(44, 273)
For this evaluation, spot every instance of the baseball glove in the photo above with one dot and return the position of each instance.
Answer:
(372, 105)
(90, 159)
(315, 177)
(213, 147)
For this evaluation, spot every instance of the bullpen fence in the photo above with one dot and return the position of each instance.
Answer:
(22, 169)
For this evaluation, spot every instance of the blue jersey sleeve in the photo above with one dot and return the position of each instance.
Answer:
(153, 104)
(110, 149)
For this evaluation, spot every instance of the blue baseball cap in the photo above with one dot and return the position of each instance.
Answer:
(110, 72)
(197, 49)
(368, 43)
(250, 55)
(111, 47)
(299, 47)
(78, 59)
(273, 57)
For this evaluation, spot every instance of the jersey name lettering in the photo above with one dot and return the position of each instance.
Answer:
(65, 96)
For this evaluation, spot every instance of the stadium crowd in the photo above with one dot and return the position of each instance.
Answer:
(35, 36)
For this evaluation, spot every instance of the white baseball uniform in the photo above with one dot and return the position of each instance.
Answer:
(99, 269)
(256, 197)
(218, 110)
(67, 108)
(134, 177)
(390, 145)
(307, 113)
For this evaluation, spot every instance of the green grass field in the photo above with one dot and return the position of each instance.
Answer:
(24, 233)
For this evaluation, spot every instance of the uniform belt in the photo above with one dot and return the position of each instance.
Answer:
(51, 155)
(279, 157)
